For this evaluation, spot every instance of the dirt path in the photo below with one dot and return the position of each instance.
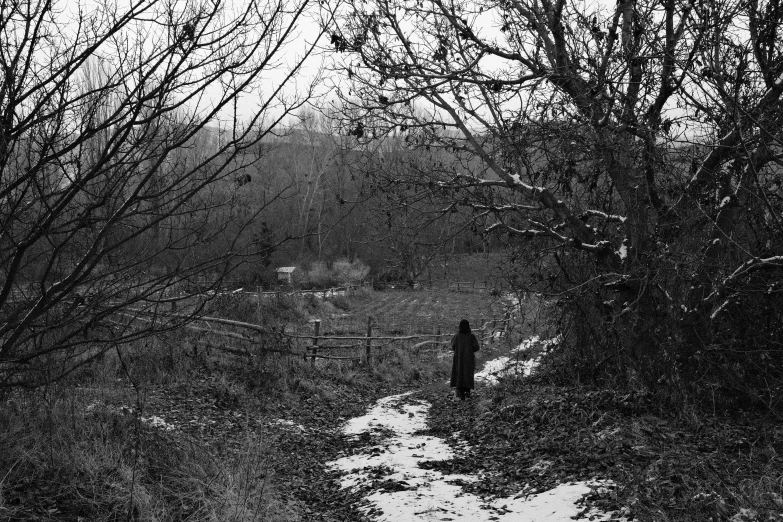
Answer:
(401, 473)
(519, 450)
(392, 472)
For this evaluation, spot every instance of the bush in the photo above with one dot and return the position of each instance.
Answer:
(341, 272)
(350, 272)
(319, 275)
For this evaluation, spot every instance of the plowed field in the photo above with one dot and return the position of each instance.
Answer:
(416, 311)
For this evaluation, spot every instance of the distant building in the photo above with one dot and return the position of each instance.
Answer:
(285, 274)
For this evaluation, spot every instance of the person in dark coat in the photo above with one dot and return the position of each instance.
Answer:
(464, 345)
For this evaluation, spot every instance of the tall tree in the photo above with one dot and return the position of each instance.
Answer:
(637, 142)
(123, 128)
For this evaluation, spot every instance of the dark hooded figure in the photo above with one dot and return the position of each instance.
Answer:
(464, 345)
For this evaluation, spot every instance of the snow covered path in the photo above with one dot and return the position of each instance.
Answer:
(401, 490)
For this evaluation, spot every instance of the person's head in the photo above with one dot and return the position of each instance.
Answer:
(464, 326)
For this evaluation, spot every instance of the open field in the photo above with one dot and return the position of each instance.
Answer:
(415, 311)
(468, 267)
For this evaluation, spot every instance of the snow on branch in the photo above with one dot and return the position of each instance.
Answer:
(529, 232)
(612, 218)
(751, 265)
(539, 229)
(462, 181)
(504, 208)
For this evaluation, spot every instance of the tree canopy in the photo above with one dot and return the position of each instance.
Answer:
(122, 129)
(634, 146)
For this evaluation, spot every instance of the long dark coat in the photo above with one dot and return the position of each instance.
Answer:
(463, 366)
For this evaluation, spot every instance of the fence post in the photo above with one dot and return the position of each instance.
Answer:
(369, 340)
(258, 304)
(316, 331)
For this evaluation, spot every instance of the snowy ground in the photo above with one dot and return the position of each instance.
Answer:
(518, 363)
(411, 493)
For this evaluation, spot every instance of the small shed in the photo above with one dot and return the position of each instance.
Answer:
(285, 274)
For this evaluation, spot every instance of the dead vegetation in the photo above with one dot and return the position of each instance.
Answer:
(173, 428)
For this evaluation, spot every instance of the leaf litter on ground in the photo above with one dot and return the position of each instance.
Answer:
(407, 490)
(519, 438)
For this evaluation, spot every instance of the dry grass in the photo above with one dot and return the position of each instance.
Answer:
(80, 451)
(68, 454)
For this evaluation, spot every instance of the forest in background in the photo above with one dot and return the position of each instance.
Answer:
(317, 197)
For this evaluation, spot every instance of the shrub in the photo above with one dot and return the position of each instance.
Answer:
(341, 272)
(319, 275)
(350, 271)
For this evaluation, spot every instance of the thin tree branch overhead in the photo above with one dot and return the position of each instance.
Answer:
(120, 143)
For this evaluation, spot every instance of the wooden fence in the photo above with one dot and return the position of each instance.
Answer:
(326, 293)
(485, 285)
(461, 286)
(489, 330)
(320, 345)
(323, 293)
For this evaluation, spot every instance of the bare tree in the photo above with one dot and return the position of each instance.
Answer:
(311, 165)
(123, 130)
(637, 143)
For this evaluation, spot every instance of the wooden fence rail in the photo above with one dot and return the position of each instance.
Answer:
(319, 343)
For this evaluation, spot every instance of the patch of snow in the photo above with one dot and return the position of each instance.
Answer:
(725, 201)
(289, 424)
(745, 515)
(402, 455)
(428, 495)
(531, 342)
(492, 369)
(503, 365)
(153, 421)
(158, 422)
(443, 501)
(623, 251)
(389, 414)
(541, 465)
